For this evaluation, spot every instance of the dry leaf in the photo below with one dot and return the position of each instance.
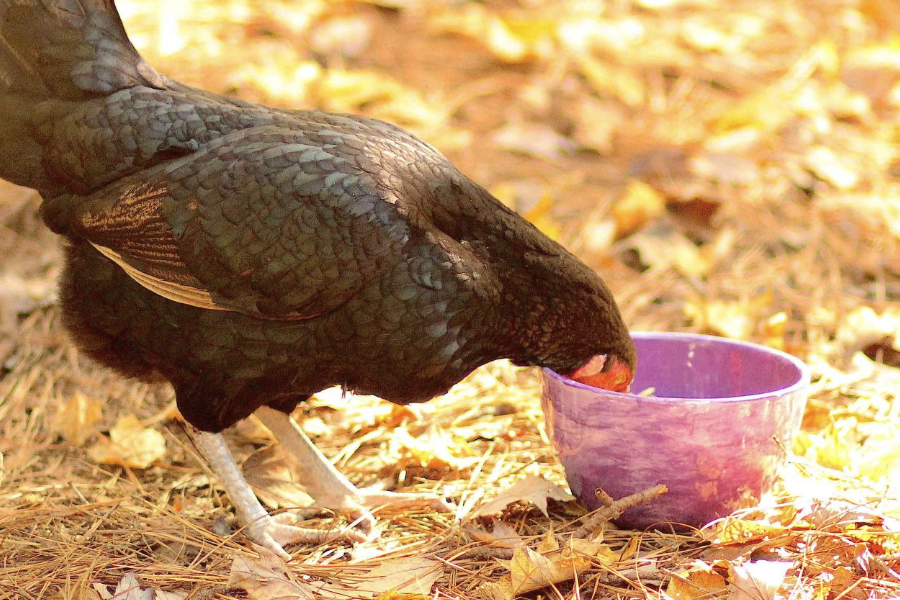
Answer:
(75, 419)
(531, 570)
(831, 168)
(502, 535)
(435, 448)
(734, 319)
(597, 124)
(864, 328)
(274, 479)
(534, 139)
(663, 247)
(129, 588)
(742, 531)
(511, 41)
(758, 580)
(639, 204)
(532, 489)
(266, 578)
(129, 444)
(700, 581)
(409, 575)
(609, 79)
(539, 216)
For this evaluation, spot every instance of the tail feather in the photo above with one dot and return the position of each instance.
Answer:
(58, 51)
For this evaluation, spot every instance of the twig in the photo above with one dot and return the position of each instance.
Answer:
(614, 509)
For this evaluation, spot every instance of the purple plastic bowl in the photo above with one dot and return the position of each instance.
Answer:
(709, 432)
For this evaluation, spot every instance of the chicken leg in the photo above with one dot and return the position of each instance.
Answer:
(328, 486)
(261, 527)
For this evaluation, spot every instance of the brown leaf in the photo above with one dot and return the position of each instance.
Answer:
(532, 489)
(757, 580)
(266, 578)
(511, 41)
(274, 479)
(663, 247)
(129, 444)
(832, 168)
(597, 123)
(75, 419)
(539, 216)
(531, 570)
(502, 535)
(129, 588)
(409, 575)
(700, 581)
(434, 448)
(639, 204)
(534, 139)
(734, 319)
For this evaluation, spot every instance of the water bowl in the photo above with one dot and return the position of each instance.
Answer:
(715, 430)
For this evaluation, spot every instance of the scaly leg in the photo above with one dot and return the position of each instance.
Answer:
(326, 484)
(261, 527)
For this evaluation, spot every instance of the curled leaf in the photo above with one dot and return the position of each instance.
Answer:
(129, 444)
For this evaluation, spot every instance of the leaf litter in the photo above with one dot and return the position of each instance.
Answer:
(728, 167)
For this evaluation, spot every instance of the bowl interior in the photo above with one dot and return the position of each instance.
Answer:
(705, 367)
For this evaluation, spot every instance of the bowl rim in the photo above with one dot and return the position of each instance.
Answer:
(801, 383)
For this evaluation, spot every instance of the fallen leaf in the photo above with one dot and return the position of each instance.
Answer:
(410, 575)
(341, 37)
(639, 204)
(609, 79)
(531, 570)
(266, 578)
(539, 216)
(738, 319)
(501, 536)
(743, 531)
(757, 580)
(274, 479)
(129, 588)
(75, 419)
(534, 139)
(663, 247)
(509, 40)
(129, 444)
(863, 329)
(700, 581)
(775, 105)
(597, 124)
(828, 166)
(434, 448)
(725, 168)
(532, 489)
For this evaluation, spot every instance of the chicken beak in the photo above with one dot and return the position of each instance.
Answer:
(616, 377)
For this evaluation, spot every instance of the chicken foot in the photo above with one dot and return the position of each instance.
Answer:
(328, 486)
(272, 532)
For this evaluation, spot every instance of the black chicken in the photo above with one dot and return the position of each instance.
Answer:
(253, 256)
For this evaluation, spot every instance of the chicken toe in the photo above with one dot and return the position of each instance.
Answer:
(271, 532)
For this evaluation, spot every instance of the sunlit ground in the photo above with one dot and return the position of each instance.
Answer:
(728, 167)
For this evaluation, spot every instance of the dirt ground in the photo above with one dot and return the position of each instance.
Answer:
(728, 167)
